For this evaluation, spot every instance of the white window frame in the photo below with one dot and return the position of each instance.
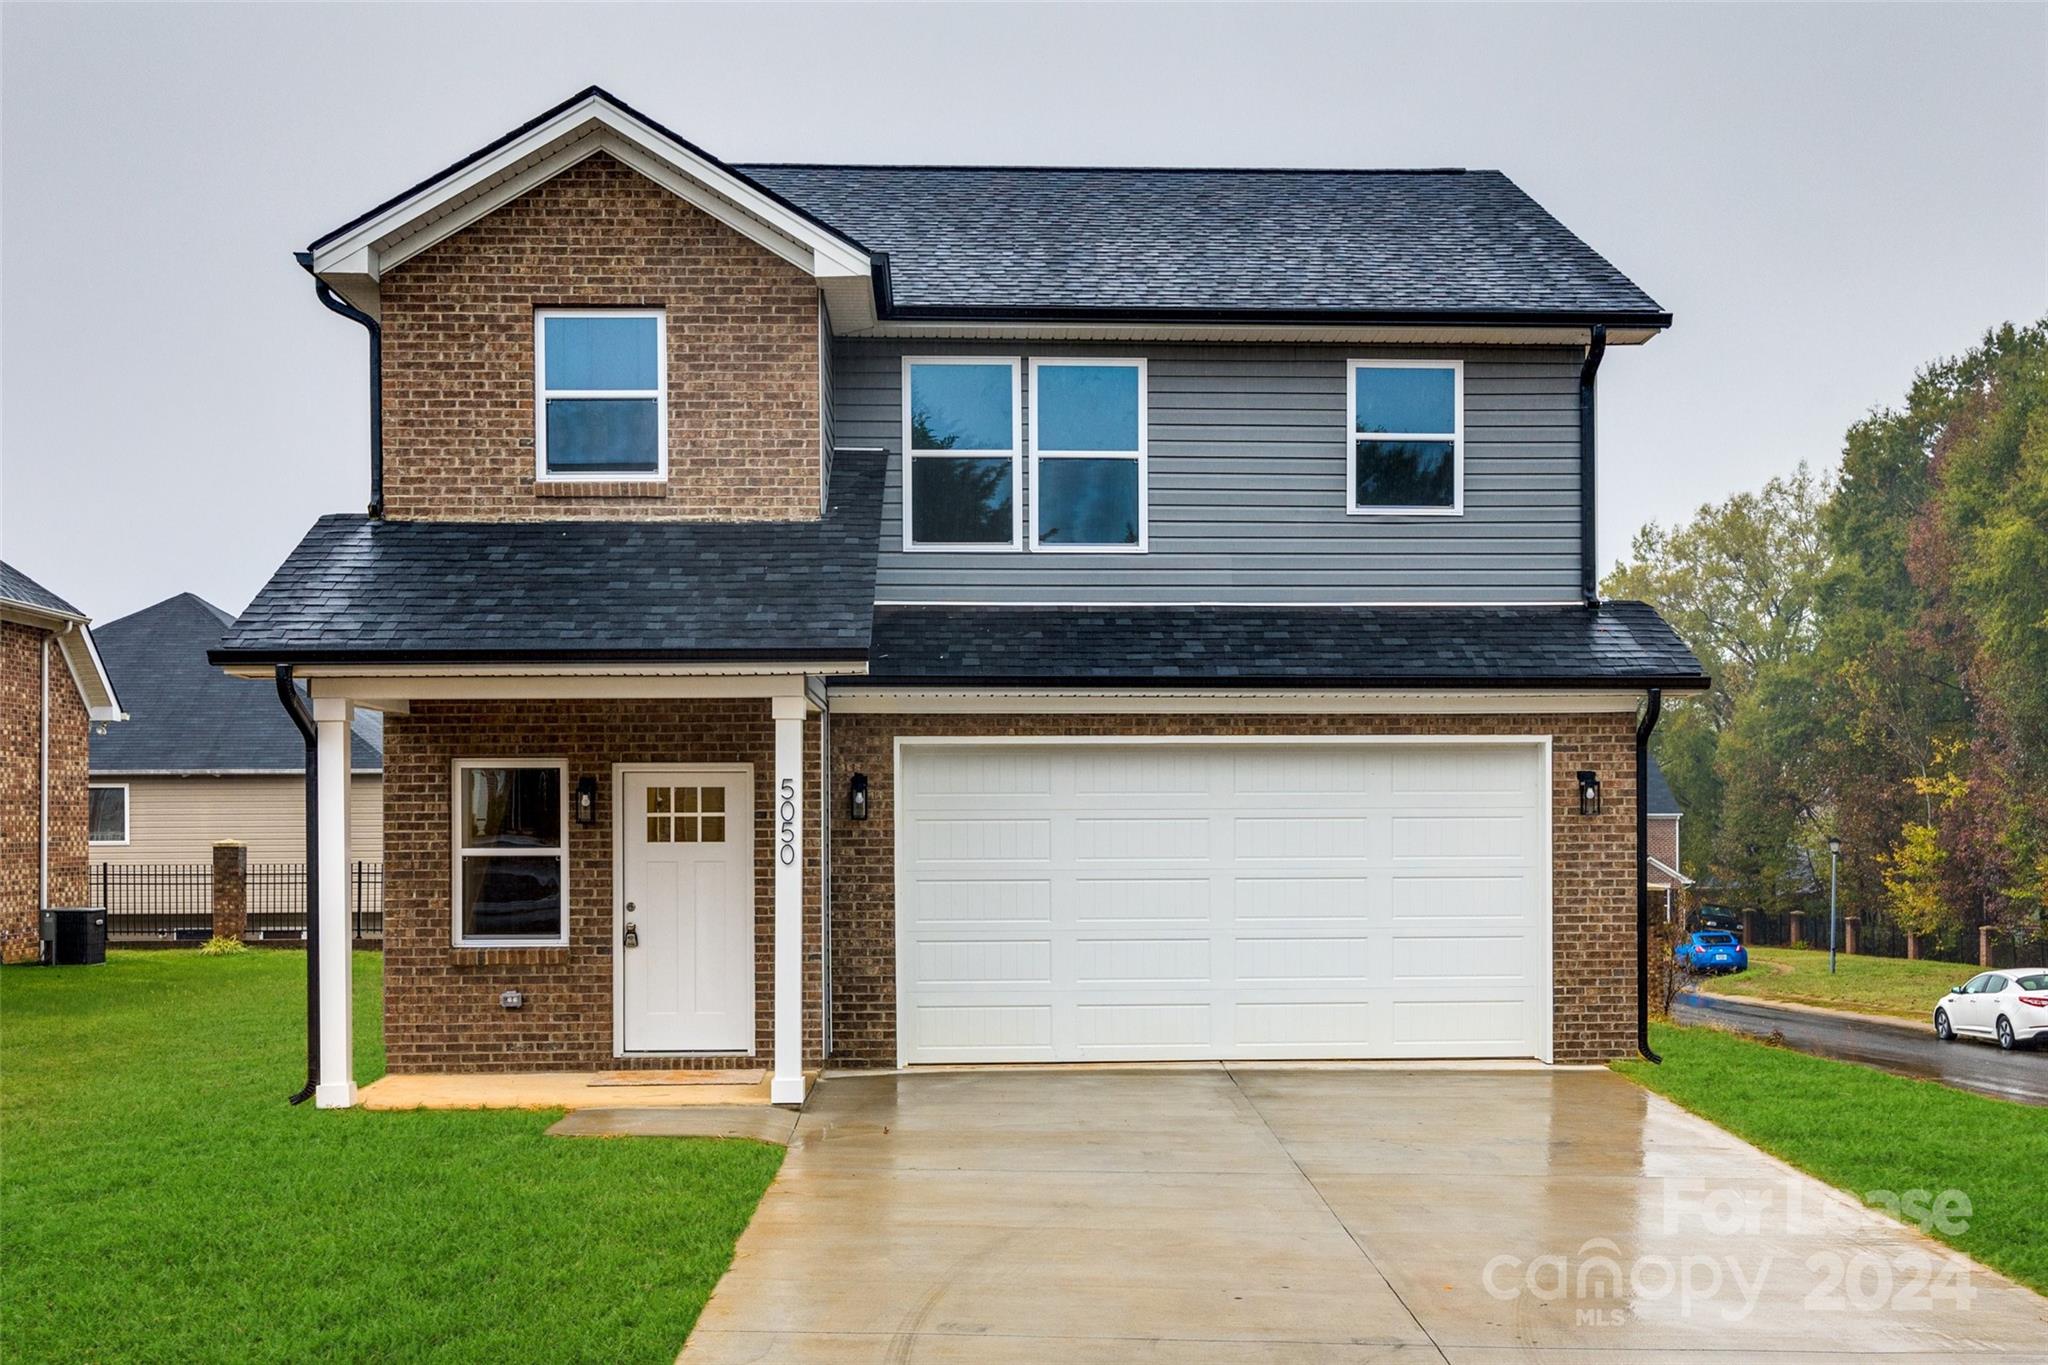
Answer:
(1456, 436)
(1140, 455)
(459, 856)
(127, 828)
(1015, 455)
(542, 393)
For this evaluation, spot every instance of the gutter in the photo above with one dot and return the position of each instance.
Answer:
(1589, 569)
(1653, 706)
(337, 304)
(295, 706)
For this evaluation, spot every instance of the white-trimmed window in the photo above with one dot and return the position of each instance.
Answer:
(1088, 474)
(107, 813)
(962, 448)
(601, 386)
(1405, 437)
(511, 853)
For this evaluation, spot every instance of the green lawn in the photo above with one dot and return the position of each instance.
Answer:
(160, 1201)
(1868, 985)
(1863, 1130)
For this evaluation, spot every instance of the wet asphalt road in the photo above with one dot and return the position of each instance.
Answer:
(1964, 1064)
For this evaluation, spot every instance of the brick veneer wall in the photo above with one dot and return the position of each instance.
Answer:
(458, 319)
(21, 703)
(1592, 877)
(441, 1010)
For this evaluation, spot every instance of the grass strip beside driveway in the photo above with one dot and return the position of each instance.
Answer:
(160, 1201)
(1862, 1130)
(1865, 985)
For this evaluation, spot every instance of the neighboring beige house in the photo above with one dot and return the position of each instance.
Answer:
(207, 757)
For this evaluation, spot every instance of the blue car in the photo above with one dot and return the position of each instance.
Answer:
(1713, 950)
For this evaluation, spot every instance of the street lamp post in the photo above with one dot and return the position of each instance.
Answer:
(1834, 862)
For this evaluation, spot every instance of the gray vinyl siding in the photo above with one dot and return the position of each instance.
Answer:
(1247, 484)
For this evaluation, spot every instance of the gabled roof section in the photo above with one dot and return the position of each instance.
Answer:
(353, 257)
(1053, 243)
(1662, 801)
(24, 600)
(186, 717)
(690, 593)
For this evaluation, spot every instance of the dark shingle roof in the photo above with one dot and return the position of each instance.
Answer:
(1662, 801)
(185, 716)
(375, 591)
(966, 241)
(18, 587)
(1617, 644)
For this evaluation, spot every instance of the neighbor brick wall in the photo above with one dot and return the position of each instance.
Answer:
(21, 701)
(441, 1010)
(744, 405)
(1592, 880)
(1662, 842)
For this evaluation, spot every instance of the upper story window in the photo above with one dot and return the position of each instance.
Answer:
(602, 394)
(961, 449)
(1088, 472)
(1407, 437)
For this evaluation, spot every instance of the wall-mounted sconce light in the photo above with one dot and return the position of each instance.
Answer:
(1589, 792)
(857, 797)
(586, 800)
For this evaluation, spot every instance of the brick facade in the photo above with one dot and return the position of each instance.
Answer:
(1592, 876)
(21, 701)
(1662, 840)
(441, 1007)
(744, 411)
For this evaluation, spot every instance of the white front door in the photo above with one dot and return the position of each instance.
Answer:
(1119, 901)
(685, 928)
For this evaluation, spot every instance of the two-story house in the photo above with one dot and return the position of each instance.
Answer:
(894, 615)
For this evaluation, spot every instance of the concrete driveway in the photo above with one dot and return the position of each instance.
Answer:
(1325, 1216)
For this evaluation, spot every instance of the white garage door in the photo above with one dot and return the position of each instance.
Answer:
(1102, 902)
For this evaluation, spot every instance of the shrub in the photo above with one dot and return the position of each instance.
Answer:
(223, 947)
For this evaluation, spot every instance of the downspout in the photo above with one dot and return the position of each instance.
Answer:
(295, 706)
(1653, 705)
(1589, 567)
(43, 788)
(336, 303)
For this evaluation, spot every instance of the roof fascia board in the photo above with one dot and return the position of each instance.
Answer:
(729, 197)
(1209, 688)
(1110, 328)
(371, 690)
(81, 656)
(1254, 701)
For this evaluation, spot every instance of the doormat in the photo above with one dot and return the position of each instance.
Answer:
(680, 1077)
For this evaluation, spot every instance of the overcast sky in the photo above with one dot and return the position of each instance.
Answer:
(1826, 196)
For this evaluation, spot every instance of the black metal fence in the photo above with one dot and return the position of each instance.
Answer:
(155, 902)
(173, 902)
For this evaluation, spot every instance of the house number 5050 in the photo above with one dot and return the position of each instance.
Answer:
(786, 813)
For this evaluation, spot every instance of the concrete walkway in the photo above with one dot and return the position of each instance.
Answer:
(1332, 1217)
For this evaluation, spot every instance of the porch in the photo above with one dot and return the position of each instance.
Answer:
(603, 889)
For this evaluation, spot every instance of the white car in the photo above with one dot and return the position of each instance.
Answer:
(2010, 1005)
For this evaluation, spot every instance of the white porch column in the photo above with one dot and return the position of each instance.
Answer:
(331, 717)
(788, 1084)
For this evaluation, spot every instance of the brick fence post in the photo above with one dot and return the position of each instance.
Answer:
(1983, 945)
(1849, 925)
(1798, 918)
(230, 889)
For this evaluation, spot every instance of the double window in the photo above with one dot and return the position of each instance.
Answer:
(511, 853)
(1405, 447)
(963, 444)
(602, 394)
(107, 814)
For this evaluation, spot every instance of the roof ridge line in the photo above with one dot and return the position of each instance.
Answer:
(1108, 170)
